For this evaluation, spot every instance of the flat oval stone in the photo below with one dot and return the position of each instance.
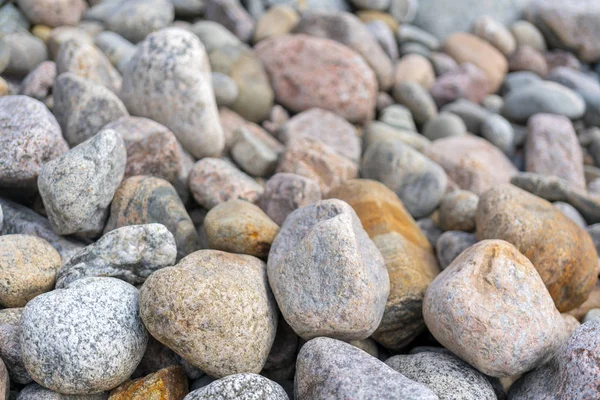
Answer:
(78, 187)
(306, 72)
(331, 369)
(173, 63)
(542, 97)
(494, 32)
(202, 307)
(489, 280)
(419, 182)
(325, 244)
(417, 99)
(143, 200)
(130, 253)
(28, 267)
(444, 125)
(55, 13)
(93, 322)
(238, 226)
(415, 68)
(30, 136)
(408, 257)
(567, 262)
(240, 386)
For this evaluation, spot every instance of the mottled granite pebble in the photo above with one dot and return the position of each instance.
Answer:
(83, 107)
(214, 181)
(28, 267)
(84, 339)
(37, 392)
(243, 386)
(168, 80)
(285, 192)
(30, 136)
(4, 381)
(322, 249)
(143, 200)
(331, 369)
(445, 374)
(78, 187)
(130, 253)
(501, 320)
(10, 345)
(238, 226)
(39, 82)
(215, 309)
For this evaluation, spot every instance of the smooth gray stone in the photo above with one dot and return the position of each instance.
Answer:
(585, 85)
(473, 115)
(519, 79)
(450, 244)
(570, 212)
(26, 53)
(12, 19)
(431, 231)
(118, 49)
(10, 345)
(84, 339)
(37, 392)
(130, 253)
(499, 132)
(240, 387)
(331, 369)
(214, 35)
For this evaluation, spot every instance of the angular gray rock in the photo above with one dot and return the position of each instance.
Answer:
(39, 82)
(83, 107)
(133, 19)
(85, 339)
(419, 182)
(168, 80)
(445, 374)
(347, 29)
(19, 219)
(240, 387)
(29, 137)
(323, 249)
(130, 253)
(77, 187)
(331, 369)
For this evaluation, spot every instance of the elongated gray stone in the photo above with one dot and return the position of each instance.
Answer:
(240, 387)
(130, 253)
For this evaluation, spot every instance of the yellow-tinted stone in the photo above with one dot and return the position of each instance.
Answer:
(409, 259)
(4, 89)
(42, 31)
(170, 383)
(279, 20)
(367, 16)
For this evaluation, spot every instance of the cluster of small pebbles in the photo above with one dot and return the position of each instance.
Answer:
(299, 199)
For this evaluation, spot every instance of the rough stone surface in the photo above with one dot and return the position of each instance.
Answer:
(81, 57)
(143, 200)
(450, 244)
(214, 181)
(571, 374)
(233, 293)
(4, 381)
(465, 82)
(90, 341)
(407, 253)
(416, 99)
(571, 25)
(567, 263)
(170, 383)
(285, 193)
(457, 211)
(38, 83)
(322, 249)
(445, 374)
(350, 31)
(552, 148)
(542, 97)
(307, 72)
(419, 182)
(327, 127)
(83, 107)
(37, 392)
(243, 386)
(53, 13)
(28, 267)
(238, 226)
(168, 80)
(130, 253)
(315, 160)
(493, 279)
(18, 219)
(29, 137)
(328, 368)
(10, 345)
(152, 149)
(472, 163)
(467, 48)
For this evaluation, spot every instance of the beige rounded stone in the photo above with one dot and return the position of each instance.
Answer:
(277, 21)
(238, 226)
(414, 67)
(214, 309)
(28, 267)
(495, 33)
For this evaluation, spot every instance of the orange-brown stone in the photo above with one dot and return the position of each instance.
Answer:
(167, 384)
(408, 256)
